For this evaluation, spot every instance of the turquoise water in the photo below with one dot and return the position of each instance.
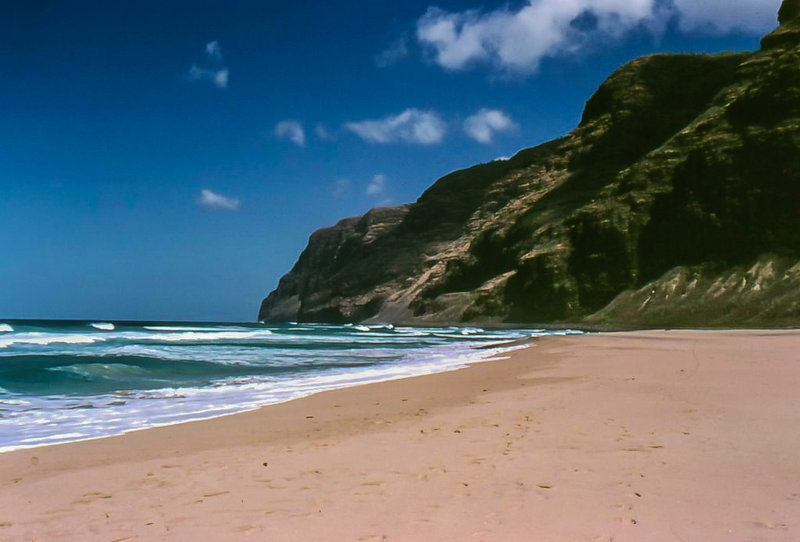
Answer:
(63, 381)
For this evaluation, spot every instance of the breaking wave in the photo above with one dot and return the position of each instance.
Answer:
(45, 339)
(110, 371)
(70, 381)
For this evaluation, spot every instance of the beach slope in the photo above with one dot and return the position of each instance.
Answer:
(673, 435)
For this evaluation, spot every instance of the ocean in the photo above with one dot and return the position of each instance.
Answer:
(63, 381)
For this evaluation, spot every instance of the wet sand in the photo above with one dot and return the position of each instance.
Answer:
(673, 435)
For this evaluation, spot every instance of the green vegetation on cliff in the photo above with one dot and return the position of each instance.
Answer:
(674, 202)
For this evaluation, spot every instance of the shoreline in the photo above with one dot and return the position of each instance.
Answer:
(671, 434)
(478, 353)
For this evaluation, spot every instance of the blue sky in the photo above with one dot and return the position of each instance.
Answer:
(168, 160)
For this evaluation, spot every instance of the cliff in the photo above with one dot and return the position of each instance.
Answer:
(674, 202)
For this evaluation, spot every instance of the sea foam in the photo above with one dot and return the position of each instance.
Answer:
(5, 328)
(103, 326)
(179, 328)
(105, 382)
(45, 339)
(207, 335)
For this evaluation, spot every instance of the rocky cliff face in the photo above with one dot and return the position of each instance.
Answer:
(673, 202)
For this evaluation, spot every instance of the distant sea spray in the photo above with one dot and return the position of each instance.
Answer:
(63, 381)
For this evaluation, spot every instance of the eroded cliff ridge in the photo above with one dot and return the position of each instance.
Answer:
(676, 201)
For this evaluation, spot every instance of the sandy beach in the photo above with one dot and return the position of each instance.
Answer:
(673, 435)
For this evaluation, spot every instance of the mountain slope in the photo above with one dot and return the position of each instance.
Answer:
(685, 169)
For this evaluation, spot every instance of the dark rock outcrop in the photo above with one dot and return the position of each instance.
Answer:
(674, 201)
(790, 9)
(318, 287)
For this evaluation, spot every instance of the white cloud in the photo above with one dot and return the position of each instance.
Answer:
(485, 123)
(212, 200)
(322, 132)
(377, 186)
(291, 130)
(518, 40)
(724, 16)
(395, 52)
(221, 78)
(340, 187)
(214, 51)
(410, 126)
(218, 77)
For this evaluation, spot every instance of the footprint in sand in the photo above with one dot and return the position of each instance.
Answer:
(89, 498)
(216, 494)
(770, 525)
